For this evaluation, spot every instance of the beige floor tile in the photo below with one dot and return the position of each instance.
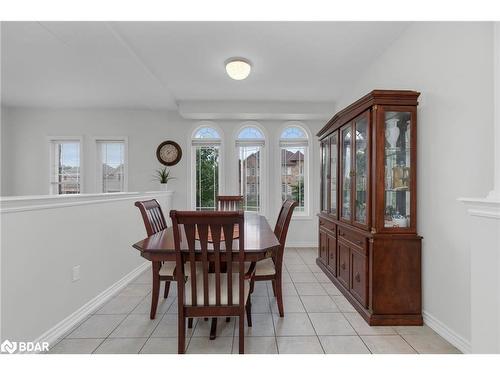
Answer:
(262, 325)
(297, 268)
(136, 290)
(310, 289)
(136, 325)
(120, 305)
(145, 306)
(285, 278)
(331, 324)
(299, 345)
(343, 345)
(387, 345)
(363, 328)
(160, 345)
(260, 304)
(75, 346)
(97, 326)
(288, 289)
(291, 304)
(430, 344)
(223, 328)
(121, 346)
(292, 259)
(414, 330)
(257, 345)
(314, 268)
(143, 278)
(319, 304)
(331, 289)
(343, 304)
(203, 345)
(260, 289)
(167, 327)
(303, 277)
(293, 324)
(321, 277)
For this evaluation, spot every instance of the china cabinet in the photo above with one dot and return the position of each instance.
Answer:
(368, 241)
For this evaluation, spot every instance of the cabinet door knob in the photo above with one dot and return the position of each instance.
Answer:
(358, 277)
(342, 233)
(342, 266)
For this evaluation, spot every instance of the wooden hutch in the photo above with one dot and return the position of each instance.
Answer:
(368, 241)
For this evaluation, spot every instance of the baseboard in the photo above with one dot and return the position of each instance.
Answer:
(448, 334)
(53, 334)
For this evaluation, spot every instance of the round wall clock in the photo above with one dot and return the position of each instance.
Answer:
(169, 153)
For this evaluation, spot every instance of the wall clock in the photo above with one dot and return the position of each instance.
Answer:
(169, 153)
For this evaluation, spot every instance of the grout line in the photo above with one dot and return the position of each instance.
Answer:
(126, 316)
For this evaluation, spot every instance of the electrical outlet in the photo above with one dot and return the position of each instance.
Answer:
(76, 273)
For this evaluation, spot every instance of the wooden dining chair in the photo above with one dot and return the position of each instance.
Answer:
(208, 236)
(229, 202)
(154, 221)
(271, 268)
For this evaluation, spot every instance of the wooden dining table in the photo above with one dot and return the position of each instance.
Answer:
(260, 243)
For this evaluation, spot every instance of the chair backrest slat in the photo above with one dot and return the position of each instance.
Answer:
(204, 231)
(229, 202)
(152, 215)
(281, 228)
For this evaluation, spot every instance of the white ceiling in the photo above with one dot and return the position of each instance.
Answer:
(163, 64)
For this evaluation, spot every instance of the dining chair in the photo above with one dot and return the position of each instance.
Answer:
(208, 236)
(229, 202)
(154, 221)
(271, 268)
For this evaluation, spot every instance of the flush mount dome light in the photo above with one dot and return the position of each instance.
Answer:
(238, 68)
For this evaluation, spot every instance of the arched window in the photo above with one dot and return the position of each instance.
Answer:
(206, 153)
(294, 149)
(249, 143)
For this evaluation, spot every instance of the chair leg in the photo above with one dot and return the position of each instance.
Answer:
(279, 297)
(252, 284)
(167, 288)
(190, 323)
(181, 340)
(155, 267)
(242, 334)
(273, 282)
(249, 311)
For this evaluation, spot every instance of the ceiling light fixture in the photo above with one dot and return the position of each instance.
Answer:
(238, 68)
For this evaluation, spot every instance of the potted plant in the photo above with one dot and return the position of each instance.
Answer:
(163, 176)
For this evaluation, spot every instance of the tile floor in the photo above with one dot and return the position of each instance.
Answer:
(318, 319)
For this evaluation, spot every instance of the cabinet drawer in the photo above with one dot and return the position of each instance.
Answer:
(327, 225)
(332, 254)
(359, 277)
(343, 264)
(355, 239)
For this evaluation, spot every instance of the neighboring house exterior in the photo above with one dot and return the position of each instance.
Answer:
(292, 171)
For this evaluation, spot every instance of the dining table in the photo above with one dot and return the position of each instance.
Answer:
(260, 242)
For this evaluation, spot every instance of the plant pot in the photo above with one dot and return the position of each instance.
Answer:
(163, 187)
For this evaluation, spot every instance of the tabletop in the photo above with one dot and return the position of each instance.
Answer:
(259, 239)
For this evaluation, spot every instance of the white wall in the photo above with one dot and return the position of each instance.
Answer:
(43, 238)
(25, 154)
(451, 65)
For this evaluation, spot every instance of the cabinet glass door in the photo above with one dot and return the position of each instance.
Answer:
(346, 172)
(324, 175)
(361, 170)
(333, 172)
(398, 145)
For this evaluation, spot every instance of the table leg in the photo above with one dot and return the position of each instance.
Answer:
(213, 329)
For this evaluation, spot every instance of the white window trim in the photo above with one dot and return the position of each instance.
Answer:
(98, 165)
(191, 142)
(308, 209)
(62, 138)
(264, 161)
